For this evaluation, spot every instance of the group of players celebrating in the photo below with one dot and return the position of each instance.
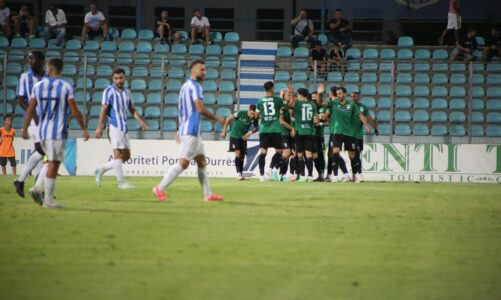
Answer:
(293, 124)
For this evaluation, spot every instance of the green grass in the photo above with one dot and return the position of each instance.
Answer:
(265, 241)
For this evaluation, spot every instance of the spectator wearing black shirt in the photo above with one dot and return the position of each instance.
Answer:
(492, 46)
(303, 29)
(164, 29)
(335, 59)
(24, 23)
(319, 54)
(464, 49)
(340, 34)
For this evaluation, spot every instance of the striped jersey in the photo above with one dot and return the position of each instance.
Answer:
(26, 82)
(118, 106)
(52, 95)
(189, 118)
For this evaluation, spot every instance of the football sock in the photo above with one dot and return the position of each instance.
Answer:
(119, 171)
(108, 166)
(320, 166)
(238, 164)
(335, 163)
(301, 166)
(204, 181)
(293, 165)
(342, 165)
(50, 186)
(275, 160)
(309, 166)
(329, 165)
(355, 164)
(284, 163)
(33, 161)
(170, 176)
(39, 185)
(262, 163)
(359, 158)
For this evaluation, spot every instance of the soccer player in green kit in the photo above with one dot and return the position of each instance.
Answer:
(239, 134)
(318, 157)
(305, 115)
(288, 131)
(356, 163)
(268, 112)
(341, 114)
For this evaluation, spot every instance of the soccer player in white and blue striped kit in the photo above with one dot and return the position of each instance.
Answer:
(191, 110)
(117, 102)
(52, 99)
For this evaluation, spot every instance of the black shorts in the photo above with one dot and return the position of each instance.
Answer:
(360, 144)
(288, 142)
(338, 140)
(94, 33)
(270, 140)
(320, 143)
(238, 144)
(12, 160)
(306, 143)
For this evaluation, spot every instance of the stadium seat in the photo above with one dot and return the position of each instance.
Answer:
(385, 77)
(10, 96)
(211, 74)
(421, 91)
(458, 67)
(439, 103)
(152, 112)
(231, 37)
(351, 88)
(95, 111)
(209, 86)
(144, 47)
(177, 60)
(438, 130)
(477, 117)
(138, 84)
(284, 52)
(299, 85)
(404, 78)
(439, 91)
(421, 78)
(323, 39)
(370, 53)
(403, 90)
(90, 70)
(420, 129)
(172, 98)
(101, 83)
(209, 98)
(125, 46)
(493, 131)
(457, 103)
(422, 67)
(388, 54)
(350, 77)
(140, 72)
(384, 90)
(301, 52)
(37, 43)
(420, 116)
(124, 58)
(422, 54)
(457, 130)
(494, 92)
(368, 90)
(299, 76)
(383, 116)
(169, 126)
(128, 34)
(153, 98)
(384, 129)
(457, 117)
(223, 112)
(52, 53)
(216, 37)
(161, 48)
(18, 42)
(370, 102)
(206, 126)
(493, 104)
(282, 76)
(224, 99)
(403, 130)
(71, 57)
(494, 67)
(81, 97)
(403, 103)
(133, 125)
(478, 91)
(404, 67)
(109, 46)
(176, 73)
(457, 91)
(145, 35)
(175, 85)
(226, 86)
(81, 83)
(153, 125)
(230, 50)
(369, 78)
(402, 116)
(440, 54)
(213, 50)
(353, 53)
(405, 41)
(492, 79)
(11, 81)
(4, 42)
(493, 117)
(106, 58)
(91, 45)
(14, 68)
(353, 66)
(440, 67)
(155, 85)
(404, 54)
(212, 62)
(300, 65)
(477, 131)
(334, 77)
(458, 79)
(138, 99)
(196, 49)
(179, 49)
(438, 117)
(171, 112)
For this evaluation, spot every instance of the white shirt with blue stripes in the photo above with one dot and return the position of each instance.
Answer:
(118, 106)
(190, 120)
(26, 82)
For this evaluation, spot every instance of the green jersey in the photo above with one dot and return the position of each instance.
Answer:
(285, 113)
(341, 117)
(357, 123)
(320, 129)
(304, 112)
(269, 113)
(241, 124)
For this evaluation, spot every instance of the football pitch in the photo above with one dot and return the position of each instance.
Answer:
(265, 241)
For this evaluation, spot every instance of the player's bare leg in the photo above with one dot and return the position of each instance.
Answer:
(204, 180)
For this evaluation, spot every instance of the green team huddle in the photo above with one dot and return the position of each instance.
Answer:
(294, 125)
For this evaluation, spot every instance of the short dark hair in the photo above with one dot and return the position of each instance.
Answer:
(56, 63)
(38, 55)
(195, 10)
(118, 71)
(196, 62)
(268, 86)
(7, 116)
(342, 88)
(339, 10)
(252, 107)
(303, 92)
(471, 29)
(357, 93)
(333, 89)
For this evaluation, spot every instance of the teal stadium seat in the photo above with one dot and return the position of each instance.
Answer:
(301, 52)
(19, 43)
(387, 54)
(334, 77)
(422, 54)
(171, 112)
(384, 129)
(403, 130)
(209, 86)
(299, 76)
(223, 112)
(477, 131)
(230, 50)
(81, 83)
(369, 102)
(91, 45)
(71, 57)
(106, 58)
(209, 98)
(213, 50)
(457, 117)
(370, 53)
(421, 91)
(420, 116)
(493, 131)
(404, 54)
(175, 85)
(37, 43)
(440, 67)
(172, 98)
(351, 77)
(421, 78)
(231, 37)
(402, 116)
(138, 84)
(457, 130)
(152, 112)
(145, 35)
(128, 34)
(405, 41)
(153, 125)
(179, 49)
(384, 102)
(211, 74)
(493, 104)
(353, 53)
(403, 90)
(138, 99)
(101, 83)
(440, 54)
(206, 126)
(403, 103)
(368, 90)
(420, 129)
(493, 117)
(404, 78)
(457, 103)
(153, 98)
(161, 48)
(226, 86)
(383, 116)
(140, 71)
(109, 46)
(438, 117)
(438, 130)
(493, 92)
(477, 117)
(169, 126)
(369, 78)
(176, 73)
(196, 49)
(439, 91)
(439, 78)
(216, 37)
(458, 79)
(144, 47)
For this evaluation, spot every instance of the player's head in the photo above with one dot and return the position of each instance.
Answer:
(355, 97)
(302, 94)
(286, 95)
(251, 112)
(7, 120)
(93, 8)
(341, 93)
(268, 87)
(36, 60)
(55, 67)
(197, 70)
(472, 31)
(332, 92)
(338, 13)
(314, 96)
(118, 77)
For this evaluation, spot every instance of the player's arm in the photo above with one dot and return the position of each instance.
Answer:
(136, 116)
(99, 129)
(287, 125)
(364, 121)
(373, 124)
(227, 122)
(30, 111)
(204, 112)
(75, 112)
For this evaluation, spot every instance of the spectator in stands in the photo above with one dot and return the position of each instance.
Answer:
(319, 54)
(340, 34)
(5, 19)
(200, 27)
(55, 24)
(24, 23)
(492, 46)
(335, 60)
(95, 24)
(466, 46)
(164, 29)
(453, 21)
(303, 29)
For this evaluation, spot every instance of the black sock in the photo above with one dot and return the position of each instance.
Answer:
(342, 165)
(309, 166)
(359, 163)
(319, 166)
(301, 167)
(238, 164)
(275, 160)
(329, 165)
(284, 163)
(242, 162)
(354, 165)
(262, 163)
(335, 163)
(293, 165)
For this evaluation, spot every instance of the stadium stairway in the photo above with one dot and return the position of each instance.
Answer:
(257, 62)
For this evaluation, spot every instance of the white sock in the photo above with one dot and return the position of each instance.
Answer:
(108, 166)
(119, 171)
(39, 185)
(37, 169)
(34, 159)
(170, 176)
(204, 181)
(50, 186)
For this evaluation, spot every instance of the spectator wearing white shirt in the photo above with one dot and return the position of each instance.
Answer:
(55, 24)
(200, 27)
(95, 24)
(5, 19)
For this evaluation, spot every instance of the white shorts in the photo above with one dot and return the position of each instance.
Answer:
(118, 138)
(191, 147)
(34, 134)
(453, 21)
(54, 149)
